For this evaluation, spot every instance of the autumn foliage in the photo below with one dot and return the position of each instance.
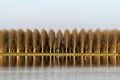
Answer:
(16, 41)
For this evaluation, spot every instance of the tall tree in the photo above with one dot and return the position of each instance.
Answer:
(0, 41)
(74, 40)
(43, 39)
(59, 39)
(113, 44)
(82, 37)
(28, 41)
(115, 36)
(66, 39)
(20, 41)
(36, 41)
(4, 41)
(12, 41)
(115, 41)
(118, 42)
(51, 39)
(107, 34)
(90, 39)
(98, 39)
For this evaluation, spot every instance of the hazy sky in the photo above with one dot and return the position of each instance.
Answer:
(59, 14)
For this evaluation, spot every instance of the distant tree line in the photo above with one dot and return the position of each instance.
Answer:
(20, 41)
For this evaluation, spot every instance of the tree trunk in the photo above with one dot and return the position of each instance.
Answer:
(66, 50)
(90, 46)
(34, 50)
(18, 50)
(107, 62)
(114, 57)
(26, 50)
(90, 58)
(50, 50)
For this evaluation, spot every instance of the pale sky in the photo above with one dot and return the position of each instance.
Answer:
(59, 14)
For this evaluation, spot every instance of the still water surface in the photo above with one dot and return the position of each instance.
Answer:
(60, 73)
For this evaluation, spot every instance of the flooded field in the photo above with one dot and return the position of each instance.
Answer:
(60, 73)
